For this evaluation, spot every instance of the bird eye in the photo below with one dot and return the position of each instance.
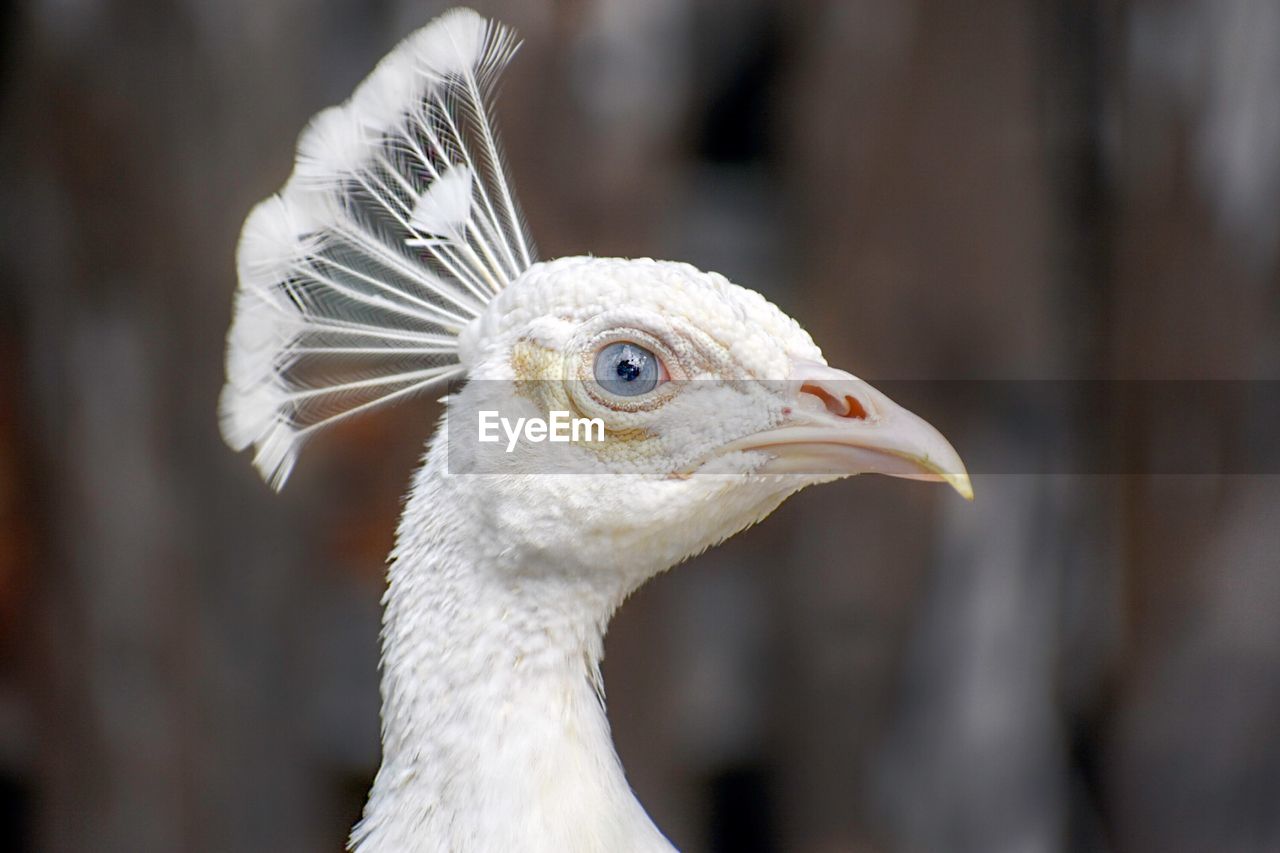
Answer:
(627, 369)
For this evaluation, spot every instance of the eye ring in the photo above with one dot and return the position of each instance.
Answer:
(626, 369)
(633, 412)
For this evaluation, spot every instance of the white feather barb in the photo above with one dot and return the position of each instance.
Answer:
(396, 228)
(445, 208)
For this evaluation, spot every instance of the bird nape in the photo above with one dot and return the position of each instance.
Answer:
(395, 260)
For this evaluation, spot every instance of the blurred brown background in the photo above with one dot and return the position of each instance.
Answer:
(991, 189)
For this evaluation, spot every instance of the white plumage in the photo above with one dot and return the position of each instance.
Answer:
(394, 260)
(394, 231)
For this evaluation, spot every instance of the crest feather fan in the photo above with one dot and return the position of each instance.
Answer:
(395, 230)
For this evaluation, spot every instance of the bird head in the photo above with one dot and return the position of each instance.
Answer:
(713, 407)
(395, 260)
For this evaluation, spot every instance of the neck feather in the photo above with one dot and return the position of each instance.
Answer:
(493, 727)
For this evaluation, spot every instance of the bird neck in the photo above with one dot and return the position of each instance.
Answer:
(494, 734)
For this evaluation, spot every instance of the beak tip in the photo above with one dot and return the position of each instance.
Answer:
(962, 484)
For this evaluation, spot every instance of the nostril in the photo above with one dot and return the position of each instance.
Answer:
(843, 406)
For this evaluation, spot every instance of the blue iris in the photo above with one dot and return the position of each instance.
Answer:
(626, 370)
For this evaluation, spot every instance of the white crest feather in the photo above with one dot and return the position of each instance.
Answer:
(445, 208)
(396, 228)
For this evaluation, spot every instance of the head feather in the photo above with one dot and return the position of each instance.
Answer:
(394, 232)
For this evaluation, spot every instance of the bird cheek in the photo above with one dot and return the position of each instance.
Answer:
(533, 361)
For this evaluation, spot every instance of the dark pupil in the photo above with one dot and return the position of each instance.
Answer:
(628, 370)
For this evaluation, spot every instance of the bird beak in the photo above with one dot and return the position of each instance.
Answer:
(840, 425)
